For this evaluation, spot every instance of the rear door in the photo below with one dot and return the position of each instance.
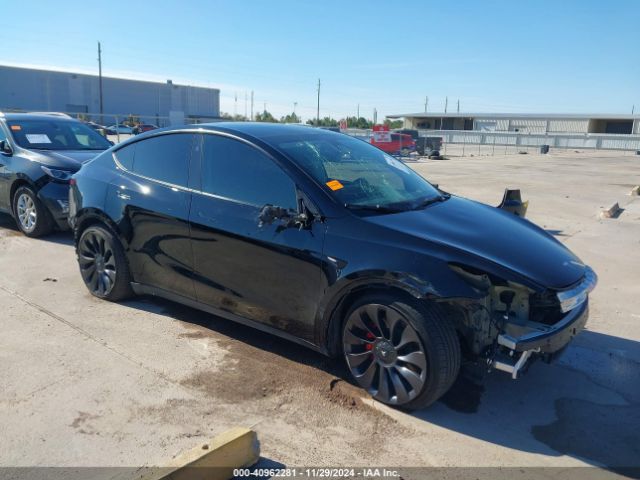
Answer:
(268, 273)
(151, 201)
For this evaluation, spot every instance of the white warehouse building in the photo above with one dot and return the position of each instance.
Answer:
(531, 123)
(29, 89)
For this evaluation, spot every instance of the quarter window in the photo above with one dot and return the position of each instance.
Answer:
(237, 171)
(125, 156)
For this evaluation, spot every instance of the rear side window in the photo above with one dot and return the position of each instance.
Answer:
(237, 171)
(164, 158)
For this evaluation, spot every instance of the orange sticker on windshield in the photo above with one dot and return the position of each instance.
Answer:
(334, 185)
(16, 127)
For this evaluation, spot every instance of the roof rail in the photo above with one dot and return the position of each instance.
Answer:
(53, 114)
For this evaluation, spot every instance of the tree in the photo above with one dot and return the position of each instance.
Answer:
(233, 118)
(291, 118)
(354, 122)
(393, 123)
(324, 122)
(265, 117)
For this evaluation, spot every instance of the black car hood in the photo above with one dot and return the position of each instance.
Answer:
(492, 234)
(64, 159)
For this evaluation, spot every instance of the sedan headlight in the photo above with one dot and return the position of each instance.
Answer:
(61, 175)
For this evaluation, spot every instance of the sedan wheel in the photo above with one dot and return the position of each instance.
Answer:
(385, 353)
(26, 212)
(32, 217)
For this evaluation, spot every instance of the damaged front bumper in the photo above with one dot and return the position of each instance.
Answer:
(518, 351)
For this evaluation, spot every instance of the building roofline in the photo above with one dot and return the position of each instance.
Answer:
(573, 116)
(92, 75)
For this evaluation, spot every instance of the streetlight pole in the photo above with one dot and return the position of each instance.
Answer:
(100, 79)
(318, 108)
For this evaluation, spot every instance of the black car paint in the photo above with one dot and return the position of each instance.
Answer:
(23, 167)
(293, 280)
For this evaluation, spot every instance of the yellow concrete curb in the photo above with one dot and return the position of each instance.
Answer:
(214, 460)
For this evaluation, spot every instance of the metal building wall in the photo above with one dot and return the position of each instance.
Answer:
(42, 90)
(569, 126)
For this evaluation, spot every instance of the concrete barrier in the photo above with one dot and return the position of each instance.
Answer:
(213, 460)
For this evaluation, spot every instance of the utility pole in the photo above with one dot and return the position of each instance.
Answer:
(375, 116)
(252, 105)
(245, 106)
(295, 104)
(358, 112)
(318, 109)
(100, 79)
(458, 105)
(446, 104)
(426, 104)
(633, 108)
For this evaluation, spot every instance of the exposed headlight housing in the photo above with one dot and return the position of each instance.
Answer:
(60, 175)
(575, 296)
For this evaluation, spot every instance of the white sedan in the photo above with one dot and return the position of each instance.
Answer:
(121, 128)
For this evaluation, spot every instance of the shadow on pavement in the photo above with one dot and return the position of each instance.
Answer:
(8, 223)
(585, 406)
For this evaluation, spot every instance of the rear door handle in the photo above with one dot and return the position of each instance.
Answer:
(123, 195)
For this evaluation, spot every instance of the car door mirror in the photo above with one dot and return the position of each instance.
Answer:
(289, 218)
(271, 213)
(5, 147)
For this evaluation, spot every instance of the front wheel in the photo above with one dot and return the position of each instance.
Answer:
(103, 265)
(31, 215)
(403, 353)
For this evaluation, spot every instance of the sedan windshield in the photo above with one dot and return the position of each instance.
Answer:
(56, 135)
(358, 175)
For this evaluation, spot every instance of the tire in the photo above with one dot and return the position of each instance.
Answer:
(103, 265)
(31, 216)
(404, 353)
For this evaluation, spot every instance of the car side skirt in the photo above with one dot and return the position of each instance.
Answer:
(142, 289)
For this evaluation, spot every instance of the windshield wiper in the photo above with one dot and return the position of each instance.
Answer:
(431, 201)
(372, 208)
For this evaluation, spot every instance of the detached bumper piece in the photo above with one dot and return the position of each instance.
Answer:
(545, 341)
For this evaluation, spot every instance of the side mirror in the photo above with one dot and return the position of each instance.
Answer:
(271, 213)
(5, 148)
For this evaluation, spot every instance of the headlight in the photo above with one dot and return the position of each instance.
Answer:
(62, 175)
(570, 299)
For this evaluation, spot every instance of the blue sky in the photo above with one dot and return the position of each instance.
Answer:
(495, 56)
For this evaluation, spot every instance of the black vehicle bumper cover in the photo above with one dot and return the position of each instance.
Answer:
(55, 197)
(553, 339)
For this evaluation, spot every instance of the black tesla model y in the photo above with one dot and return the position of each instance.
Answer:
(328, 241)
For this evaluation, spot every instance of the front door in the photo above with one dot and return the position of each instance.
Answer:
(266, 272)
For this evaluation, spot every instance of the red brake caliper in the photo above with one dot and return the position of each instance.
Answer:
(370, 336)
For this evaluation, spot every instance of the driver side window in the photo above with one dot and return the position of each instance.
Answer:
(237, 171)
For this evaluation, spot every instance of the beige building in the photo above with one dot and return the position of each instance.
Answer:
(524, 123)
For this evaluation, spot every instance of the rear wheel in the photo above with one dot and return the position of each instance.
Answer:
(31, 215)
(103, 264)
(403, 354)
